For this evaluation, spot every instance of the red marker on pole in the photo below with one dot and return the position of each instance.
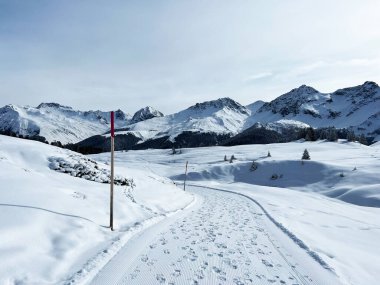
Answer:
(112, 124)
(112, 167)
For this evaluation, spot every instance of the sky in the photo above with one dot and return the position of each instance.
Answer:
(171, 54)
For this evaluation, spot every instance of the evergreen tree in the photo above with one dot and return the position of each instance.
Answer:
(310, 135)
(254, 166)
(363, 139)
(269, 155)
(332, 135)
(225, 158)
(323, 134)
(305, 155)
(351, 136)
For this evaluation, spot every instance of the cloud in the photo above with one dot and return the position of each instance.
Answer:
(257, 76)
(128, 54)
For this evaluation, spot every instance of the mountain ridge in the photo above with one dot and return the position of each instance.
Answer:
(355, 108)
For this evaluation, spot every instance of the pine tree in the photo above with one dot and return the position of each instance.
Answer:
(269, 155)
(363, 140)
(225, 158)
(351, 136)
(305, 155)
(310, 135)
(332, 135)
(254, 166)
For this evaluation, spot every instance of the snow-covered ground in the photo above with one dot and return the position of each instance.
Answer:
(54, 226)
(280, 222)
(323, 204)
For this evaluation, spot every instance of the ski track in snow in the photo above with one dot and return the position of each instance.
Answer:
(226, 240)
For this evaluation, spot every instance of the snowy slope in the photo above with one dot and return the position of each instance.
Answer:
(348, 107)
(311, 201)
(55, 122)
(54, 227)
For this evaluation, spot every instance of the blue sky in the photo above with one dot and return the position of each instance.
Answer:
(171, 54)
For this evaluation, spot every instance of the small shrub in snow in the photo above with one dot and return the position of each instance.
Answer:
(225, 158)
(232, 158)
(269, 155)
(306, 155)
(274, 176)
(342, 174)
(254, 166)
(85, 168)
(354, 169)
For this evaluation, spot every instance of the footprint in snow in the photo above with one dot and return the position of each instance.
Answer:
(266, 263)
(176, 273)
(160, 278)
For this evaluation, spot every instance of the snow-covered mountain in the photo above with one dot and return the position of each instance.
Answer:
(217, 122)
(222, 116)
(55, 122)
(354, 107)
(208, 123)
(146, 114)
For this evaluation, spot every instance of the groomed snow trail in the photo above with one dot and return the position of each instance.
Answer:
(226, 239)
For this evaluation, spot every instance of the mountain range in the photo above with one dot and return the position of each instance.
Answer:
(208, 123)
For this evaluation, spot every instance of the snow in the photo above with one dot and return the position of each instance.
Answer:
(54, 227)
(311, 222)
(224, 241)
(331, 216)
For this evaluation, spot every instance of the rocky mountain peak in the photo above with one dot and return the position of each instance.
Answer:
(52, 105)
(303, 90)
(146, 114)
(220, 104)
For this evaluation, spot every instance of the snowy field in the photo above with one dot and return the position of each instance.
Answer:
(280, 222)
(329, 203)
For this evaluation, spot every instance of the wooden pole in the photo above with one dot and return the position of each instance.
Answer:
(184, 182)
(112, 168)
